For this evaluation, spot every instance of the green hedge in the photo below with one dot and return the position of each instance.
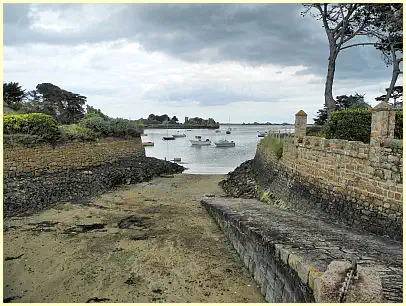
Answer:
(316, 130)
(41, 125)
(350, 124)
(399, 125)
(76, 132)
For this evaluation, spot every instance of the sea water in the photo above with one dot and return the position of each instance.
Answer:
(209, 159)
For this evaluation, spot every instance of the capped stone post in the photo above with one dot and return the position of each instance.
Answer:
(300, 123)
(382, 128)
(382, 122)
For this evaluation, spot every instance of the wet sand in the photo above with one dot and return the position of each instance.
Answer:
(150, 242)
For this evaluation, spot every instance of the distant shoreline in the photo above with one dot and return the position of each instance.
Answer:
(180, 126)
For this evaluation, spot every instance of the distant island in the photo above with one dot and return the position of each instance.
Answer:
(164, 121)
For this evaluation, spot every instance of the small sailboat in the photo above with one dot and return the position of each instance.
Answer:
(167, 137)
(229, 128)
(224, 143)
(199, 142)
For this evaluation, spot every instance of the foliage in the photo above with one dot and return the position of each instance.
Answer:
(342, 102)
(111, 127)
(124, 127)
(350, 124)
(41, 125)
(158, 118)
(399, 125)
(97, 124)
(396, 95)
(76, 132)
(342, 23)
(388, 29)
(91, 112)
(13, 95)
(174, 119)
(316, 130)
(66, 107)
(273, 144)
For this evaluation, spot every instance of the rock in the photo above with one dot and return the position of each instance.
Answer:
(24, 195)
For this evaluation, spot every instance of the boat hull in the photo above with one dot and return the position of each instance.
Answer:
(225, 144)
(200, 143)
(168, 138)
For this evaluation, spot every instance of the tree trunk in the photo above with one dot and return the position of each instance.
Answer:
(328, 90)
(395, 74)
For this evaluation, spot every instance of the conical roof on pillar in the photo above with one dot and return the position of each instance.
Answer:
(301, 113)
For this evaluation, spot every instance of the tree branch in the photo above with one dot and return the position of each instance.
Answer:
(360, 44)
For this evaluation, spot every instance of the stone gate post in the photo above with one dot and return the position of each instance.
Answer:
(382, 127)
(300, 123)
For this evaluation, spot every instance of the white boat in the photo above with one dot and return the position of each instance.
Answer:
(224, 143)
(179, 135)
(199, 142)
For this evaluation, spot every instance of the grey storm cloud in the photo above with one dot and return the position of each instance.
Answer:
(254, 34)
(211, 95)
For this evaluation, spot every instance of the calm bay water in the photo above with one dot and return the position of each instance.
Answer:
(208, 159)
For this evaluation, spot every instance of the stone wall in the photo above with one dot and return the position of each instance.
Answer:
(358, 183)
(279, 280)
(44, 158)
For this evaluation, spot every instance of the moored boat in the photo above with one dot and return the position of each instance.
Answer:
(179, 135)
(199, 142)
(148, 143)
(168, 138)
(224, 143)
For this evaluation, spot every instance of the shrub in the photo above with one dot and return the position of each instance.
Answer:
(111, 127)
(316, 130)
(97, 124)
(351, 124)
(76, 132)
(399, 125)
(273, 144)
(123, 127)
(41, 125)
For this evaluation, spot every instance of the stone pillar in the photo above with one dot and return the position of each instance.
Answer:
(383, 121)
(300, 124)
(382, 127)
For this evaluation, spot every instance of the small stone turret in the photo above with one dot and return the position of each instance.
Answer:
(300, 123)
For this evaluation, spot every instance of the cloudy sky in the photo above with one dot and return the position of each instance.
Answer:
(252, 62)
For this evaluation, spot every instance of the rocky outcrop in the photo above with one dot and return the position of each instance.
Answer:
(240, 183)
(28, 194)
